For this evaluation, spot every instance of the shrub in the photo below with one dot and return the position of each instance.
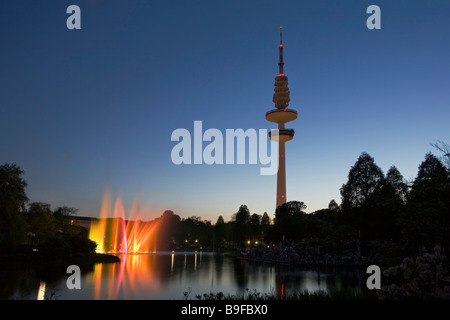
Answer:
(63, 246)
(427, 277)
(55, 246)
(81, 245)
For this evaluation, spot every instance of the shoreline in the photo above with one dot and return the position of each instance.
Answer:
(41, 261)
(300, 264)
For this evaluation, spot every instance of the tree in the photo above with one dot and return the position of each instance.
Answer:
(255, 227)
(431, 173)
(426, 220)
(243, 215)
(289, 209)
(331, 214)
(12, 205)
(168, 230)
(265, 225)
(255, 219)
(220, 221)
(220, 231)
(396, 184)
(41, 222)
(359, 200)
(265, 220)
(241, 224)
(388, 205)
(289, 222)
(445, 149)
(364, 180)
(63, 216)
(333, 205)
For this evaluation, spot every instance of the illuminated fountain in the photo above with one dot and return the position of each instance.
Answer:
(114, 234)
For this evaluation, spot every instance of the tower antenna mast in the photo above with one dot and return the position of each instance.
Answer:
(281, 63)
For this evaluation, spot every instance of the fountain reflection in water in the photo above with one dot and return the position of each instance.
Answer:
(148, 276)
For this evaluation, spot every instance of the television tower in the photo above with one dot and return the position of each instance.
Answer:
(281, 115)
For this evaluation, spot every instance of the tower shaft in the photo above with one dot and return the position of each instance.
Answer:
(281, 175)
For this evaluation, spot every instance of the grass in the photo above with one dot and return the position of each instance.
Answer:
(297, 295)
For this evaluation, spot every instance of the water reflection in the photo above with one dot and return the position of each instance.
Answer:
(41, 291)
(168, 275)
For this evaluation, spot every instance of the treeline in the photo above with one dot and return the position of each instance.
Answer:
(381, 213)
(24, 225)
(378, 213)
(193, 233)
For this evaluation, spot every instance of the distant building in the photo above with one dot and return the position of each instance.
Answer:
(84, 222)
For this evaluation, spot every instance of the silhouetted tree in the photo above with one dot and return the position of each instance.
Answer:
(220, 221)
(289, 209)
(443, 147)
(265, 225)
(168, 230)
(220, 232)
(265, 220)
(243, 215)
(396, 183)
(197, 233)
(364, 180)
(426, 220)
(12, 205)
(359, 197)
(388, 205)
(255, 219)
(63, 217)
(290, 223)
(333, 212)
(255, 227)
(333, 205)
(40, 222)
(241, 224)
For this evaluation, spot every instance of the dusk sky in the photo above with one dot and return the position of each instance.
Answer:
(80, 109)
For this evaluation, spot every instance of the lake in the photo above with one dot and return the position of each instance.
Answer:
(180, 275)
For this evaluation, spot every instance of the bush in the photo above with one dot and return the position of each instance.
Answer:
(81, 245)
(427, 277)
(55, 246)
(60, 246)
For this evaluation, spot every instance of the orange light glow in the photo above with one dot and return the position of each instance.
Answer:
(114, 234)
(125, 278)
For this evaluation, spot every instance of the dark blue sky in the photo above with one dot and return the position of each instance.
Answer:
(80, 108)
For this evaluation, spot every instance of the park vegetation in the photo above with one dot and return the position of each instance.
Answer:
(25, 226)
(384, 213)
